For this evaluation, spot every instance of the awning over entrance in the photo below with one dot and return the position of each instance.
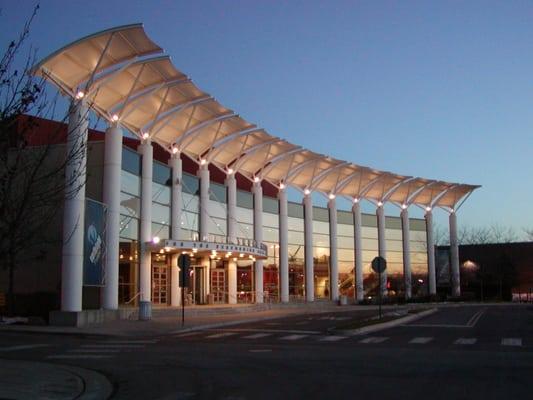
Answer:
(246, 249)
(116, 73)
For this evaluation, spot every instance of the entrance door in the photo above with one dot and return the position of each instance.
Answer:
(197, 284)
(218, 285)
(159, 283)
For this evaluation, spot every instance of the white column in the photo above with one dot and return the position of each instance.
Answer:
(206, 262)
(145, 273)
(406, 248)
(204, 202)
(382, 245)
(232, 282)
(454, 256)
(111, 197)
(333, 256)
(308, 237)
(358, 251)
(283, 246)
(231, 221)
(432, 282)
(74, 208)
(258, 236)
(175, 217)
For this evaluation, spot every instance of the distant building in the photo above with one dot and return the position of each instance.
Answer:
(499, 271)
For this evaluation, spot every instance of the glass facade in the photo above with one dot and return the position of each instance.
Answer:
(217, 226)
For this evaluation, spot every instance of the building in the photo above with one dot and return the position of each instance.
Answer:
(202, 180)
(492, 271)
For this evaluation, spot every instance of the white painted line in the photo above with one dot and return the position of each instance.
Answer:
(436, 326)
(421, 340)
(221, 335)
(332, 338)
(475, 318)
(112, 346)
(94, 351)
(465, 341)
(374, 339)
(78, 356)
(272, 323)
(129, 342)
(511, 342)
(190, 334)
(257, 336)
(23, 347)
(260, 351)
(295, 331)
(293, 337)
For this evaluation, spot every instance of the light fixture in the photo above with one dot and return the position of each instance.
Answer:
(404, 206)
(80, 95)
(331, 196)
(307, 192)
(156, 240)
(241, 255)
(230, 171)
(195, 250)
(380, 203)
(355, 200)
(114, 117)
(146, 135)
(428, 209)
(282, 185)
(174, 150)
(203, 161)
(256, 179)
(234, 258)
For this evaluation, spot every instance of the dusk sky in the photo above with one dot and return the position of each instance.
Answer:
(441, 90)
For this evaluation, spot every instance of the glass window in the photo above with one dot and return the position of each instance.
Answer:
(190, 202)
(345, 230)
(270, 205)
(190, 184)
(245, 215)
(321, 227)
(130, 183)
(295, 210)
(344, 242)
(245, 199)
(295, 237)
(320, 240)
(270, 220)
(160, 193)
(161, 174)
(296, 224)
(270, 234)
(189, 221)
(162, 231)
(217, 192)
(344, 217)
(160, 214)
(130, 205)
(320, 214)
(369, 220)
(131, 161)
(129, 227)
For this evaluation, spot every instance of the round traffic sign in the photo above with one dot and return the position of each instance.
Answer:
(379, 264)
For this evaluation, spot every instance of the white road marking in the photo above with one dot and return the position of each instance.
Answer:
(293, 337)
(190, 334)
(221, 335)
(257, 336)
(374, 339)
(295, 331)
(272, 323)
(23, 347)
(421, 340)
(77, 356)
(466, 341)
(113, 346)
(475, 318)
(94, 351)
(260, 351)
(332, 338)
(130, 342)
(511, 342)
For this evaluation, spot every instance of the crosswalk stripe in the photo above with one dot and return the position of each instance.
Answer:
(293, 337)
(466, 341)
(77, 356)
(332, 338)
(373, 339)
(421, 340)
(257, 336)
(112, 346)
(23, 347)
(511, 342)
(221, 335)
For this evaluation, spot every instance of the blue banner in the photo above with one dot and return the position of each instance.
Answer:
(94, 244)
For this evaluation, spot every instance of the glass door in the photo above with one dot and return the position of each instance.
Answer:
(159, 283)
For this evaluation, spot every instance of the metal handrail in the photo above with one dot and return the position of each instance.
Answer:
(133, 298)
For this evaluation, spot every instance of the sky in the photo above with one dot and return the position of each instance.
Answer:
(441, 90)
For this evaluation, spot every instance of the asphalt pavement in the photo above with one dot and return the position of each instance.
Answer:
(459, 352)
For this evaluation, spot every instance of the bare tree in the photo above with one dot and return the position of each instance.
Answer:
(32, 162)
(529, 233)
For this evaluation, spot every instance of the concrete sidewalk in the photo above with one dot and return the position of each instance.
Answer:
(36, 380)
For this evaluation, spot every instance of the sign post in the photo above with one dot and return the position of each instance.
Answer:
(379, 265)
(184, 262)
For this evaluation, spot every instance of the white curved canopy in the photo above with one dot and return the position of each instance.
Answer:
(150, 97)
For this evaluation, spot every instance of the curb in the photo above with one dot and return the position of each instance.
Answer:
(97, 386)
(390, 324)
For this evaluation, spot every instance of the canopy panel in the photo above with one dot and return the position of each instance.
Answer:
(114, 71)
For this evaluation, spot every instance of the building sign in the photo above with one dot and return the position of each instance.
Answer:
(94, 244)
